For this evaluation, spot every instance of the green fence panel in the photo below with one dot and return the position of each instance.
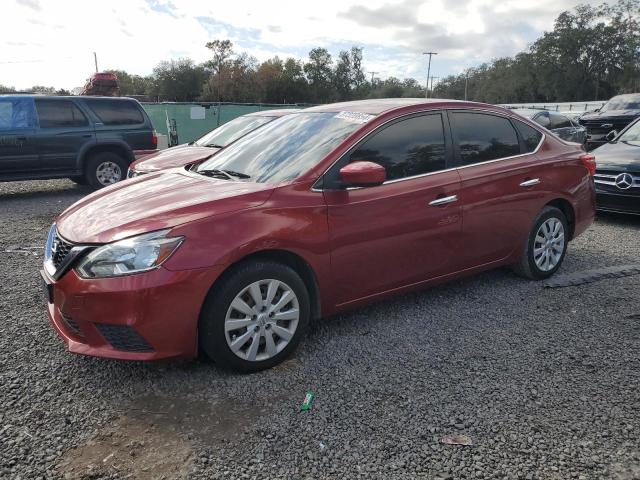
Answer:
(193, 120)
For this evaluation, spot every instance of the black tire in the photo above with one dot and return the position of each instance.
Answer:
(211, 328)
(526, 266)
(81, 180)
(98, 161)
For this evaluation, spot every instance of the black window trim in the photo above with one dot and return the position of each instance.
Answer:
(448, 147)
(510, 119)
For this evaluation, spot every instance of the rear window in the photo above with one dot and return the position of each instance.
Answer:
(116, 112)
(530, 136)
(59, 113)
(483, 137)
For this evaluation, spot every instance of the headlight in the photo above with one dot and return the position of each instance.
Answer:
(132, 255)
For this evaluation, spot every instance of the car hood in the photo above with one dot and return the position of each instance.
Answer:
(172, 157)
(610, 114)
(618, 156)
(153, 202)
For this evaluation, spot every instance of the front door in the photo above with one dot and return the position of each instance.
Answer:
(404, 231)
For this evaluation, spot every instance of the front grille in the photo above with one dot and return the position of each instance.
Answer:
(60, 251)
(606, 181)
(124, 337)
(595, 126)
(72, 326)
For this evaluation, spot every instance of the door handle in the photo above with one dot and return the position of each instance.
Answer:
(530, 183)
(443, 200)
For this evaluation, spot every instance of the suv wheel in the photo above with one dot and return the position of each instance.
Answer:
(255, 318)
(546, 245)
(104, 169)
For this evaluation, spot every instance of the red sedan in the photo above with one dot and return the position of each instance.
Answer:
(206, 146)
(317, 212)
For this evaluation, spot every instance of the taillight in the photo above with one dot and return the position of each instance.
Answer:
(589, 161)
(154, 139)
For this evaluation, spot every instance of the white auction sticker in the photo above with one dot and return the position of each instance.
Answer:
(355, 117)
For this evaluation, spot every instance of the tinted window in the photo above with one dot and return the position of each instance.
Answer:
(116, 112)
(530, 136)
(59, 113)
(558, 121)
(481, 137)
(406, 148)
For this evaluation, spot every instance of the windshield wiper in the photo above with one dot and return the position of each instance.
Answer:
(229, 174)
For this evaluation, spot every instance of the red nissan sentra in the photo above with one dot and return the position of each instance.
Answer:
(315, 213)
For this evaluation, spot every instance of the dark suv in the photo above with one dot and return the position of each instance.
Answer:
(614, 115)
(91, 140)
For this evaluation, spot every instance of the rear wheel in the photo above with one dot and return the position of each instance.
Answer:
(546, 245)
(255, 318)
(104, 169)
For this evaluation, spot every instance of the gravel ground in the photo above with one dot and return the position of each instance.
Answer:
(545, 382)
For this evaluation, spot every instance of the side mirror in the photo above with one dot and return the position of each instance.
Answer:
(363, 174)
(611, 135)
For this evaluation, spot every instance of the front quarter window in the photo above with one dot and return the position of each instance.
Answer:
(284, 149)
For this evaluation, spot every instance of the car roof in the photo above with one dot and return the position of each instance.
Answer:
(382, 105)
(276, 112)
(65, 97)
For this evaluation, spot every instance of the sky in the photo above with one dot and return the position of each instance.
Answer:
(51, 42)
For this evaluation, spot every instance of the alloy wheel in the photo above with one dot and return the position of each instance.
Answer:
(108, 173)
(261, 320)
(549, 244)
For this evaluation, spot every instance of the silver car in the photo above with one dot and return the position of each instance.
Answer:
(561, 124)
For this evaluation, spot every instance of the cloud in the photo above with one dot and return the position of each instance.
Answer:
(34, 4)
(135, 35)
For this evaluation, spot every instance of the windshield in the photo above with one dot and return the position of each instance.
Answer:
(622, 103)
(632, 135)
(285, 149)
(231, 131)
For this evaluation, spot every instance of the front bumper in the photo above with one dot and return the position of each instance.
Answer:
(147, 316)
(618, 202)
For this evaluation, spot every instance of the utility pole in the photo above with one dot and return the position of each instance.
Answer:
(432, 83)
(95, 59)
(466, 83)
(426, 93)
(372, 74)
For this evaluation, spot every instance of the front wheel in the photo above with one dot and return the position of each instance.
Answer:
(255, 317)
(546, 245)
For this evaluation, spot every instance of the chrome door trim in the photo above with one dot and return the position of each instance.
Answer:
(530, 183)
(443, 200)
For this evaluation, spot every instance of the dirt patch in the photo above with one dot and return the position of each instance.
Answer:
(154, 439)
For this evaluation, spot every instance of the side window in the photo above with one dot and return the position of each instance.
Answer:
(59, 113)
(409, 147)
(543, 119)
(17, 113)
(482, 137)
(530, 136)
(116, 112)
(558, 121)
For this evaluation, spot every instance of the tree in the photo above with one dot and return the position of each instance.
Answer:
(221, 51)
(132, 84)
(178, 80)
(319, 73)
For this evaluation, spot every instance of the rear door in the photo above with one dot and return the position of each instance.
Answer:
(501, 179)
(18, 153)
(393, 235)
(64, 133)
